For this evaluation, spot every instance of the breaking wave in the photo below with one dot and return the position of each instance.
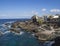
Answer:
(7, 32)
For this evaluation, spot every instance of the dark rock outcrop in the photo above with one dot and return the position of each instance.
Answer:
(15, 30)
(57, 42)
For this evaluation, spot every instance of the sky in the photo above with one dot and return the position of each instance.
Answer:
(27, 8)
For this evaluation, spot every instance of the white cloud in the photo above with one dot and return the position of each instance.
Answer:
(44, 9)
(55, 10)
(34, 12)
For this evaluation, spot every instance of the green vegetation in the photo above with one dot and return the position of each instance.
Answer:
(40, 21)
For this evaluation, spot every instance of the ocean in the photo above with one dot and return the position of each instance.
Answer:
(12, 39)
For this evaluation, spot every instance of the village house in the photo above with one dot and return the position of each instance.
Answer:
(37, 20)
(53, 20)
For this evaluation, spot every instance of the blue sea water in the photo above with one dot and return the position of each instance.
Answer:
(11, 39)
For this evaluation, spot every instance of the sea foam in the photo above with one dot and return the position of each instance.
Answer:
(6, 32)
(21, 32)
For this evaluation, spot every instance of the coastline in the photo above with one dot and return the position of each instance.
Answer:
(42, 33)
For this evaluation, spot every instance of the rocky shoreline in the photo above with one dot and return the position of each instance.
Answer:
(39, 32)
(42, 32)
